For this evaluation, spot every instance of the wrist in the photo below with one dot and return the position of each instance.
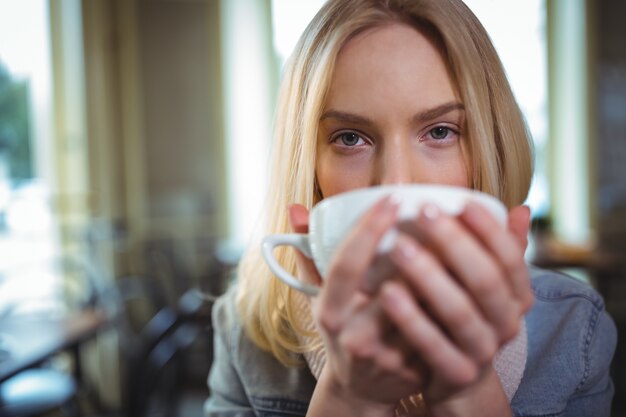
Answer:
(485, 398)
(333, 398)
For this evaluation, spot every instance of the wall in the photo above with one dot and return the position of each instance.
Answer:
(155, 141)
(182, 116)
(608, 92)
(610, 85)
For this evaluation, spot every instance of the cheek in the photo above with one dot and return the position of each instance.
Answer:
(335, 176)
(450, 171)
(452, 167)
(458, 176)
(463, 174)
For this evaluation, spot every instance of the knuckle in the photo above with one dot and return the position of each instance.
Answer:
(460, 315)
(528, 301)
(488, 284)
(374, 225)
(489, 349)
(513, 260)
(509, 330)
(447, 229)
(525, 296)
(411, 310)
(378, 226)
(358, 351)
(391, 361)
(514, 310)
(347, 343)
(329, 322)
(339, 268)
(466, 376)
(358, 342)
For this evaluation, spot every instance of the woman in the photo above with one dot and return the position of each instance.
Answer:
(383, 92)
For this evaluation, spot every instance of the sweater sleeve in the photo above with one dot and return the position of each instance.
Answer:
(227, 395)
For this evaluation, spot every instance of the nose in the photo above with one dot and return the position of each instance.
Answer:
(396, 164)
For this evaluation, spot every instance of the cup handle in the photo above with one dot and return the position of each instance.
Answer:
(300, 241)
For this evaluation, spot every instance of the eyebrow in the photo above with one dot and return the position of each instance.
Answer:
(421, 117)
(438, 111)
(346, 117)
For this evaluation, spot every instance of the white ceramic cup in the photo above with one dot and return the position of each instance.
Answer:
(331, 220)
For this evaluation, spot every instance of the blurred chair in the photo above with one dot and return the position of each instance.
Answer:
(202, 262)
(177, 265)
(160, 316)
(152, 355)
(155, 377)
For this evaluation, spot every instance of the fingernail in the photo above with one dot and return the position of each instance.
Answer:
(430, 212)
(396, 198)
(389, 291)
(472, 209)
(388, 242)
(394, 297)
(391, 202)
(407, 251)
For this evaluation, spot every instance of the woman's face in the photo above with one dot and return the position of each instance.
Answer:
(392, 115)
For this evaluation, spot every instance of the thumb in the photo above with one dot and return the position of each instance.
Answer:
(299, 222)
(298, 218)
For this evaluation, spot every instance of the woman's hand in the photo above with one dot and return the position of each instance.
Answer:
(436, 329)
(365, 366)
(464, 291)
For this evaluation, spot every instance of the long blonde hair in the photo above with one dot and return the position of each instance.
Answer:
(497, 142)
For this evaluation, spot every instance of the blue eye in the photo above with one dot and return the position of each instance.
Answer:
(349, 139)
(439, 132)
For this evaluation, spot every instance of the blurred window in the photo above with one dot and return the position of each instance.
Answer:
(522, 46)
(27, 238)
(289, 19)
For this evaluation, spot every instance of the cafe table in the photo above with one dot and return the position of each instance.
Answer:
(28, 341)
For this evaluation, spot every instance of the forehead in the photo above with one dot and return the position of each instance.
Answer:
(394, 62)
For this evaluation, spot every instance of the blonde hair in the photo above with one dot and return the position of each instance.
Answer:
(498, 145)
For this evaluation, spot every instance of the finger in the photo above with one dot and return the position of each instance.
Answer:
(381, 269)
(412, 360)
(299, 220)
(437, 353)
(519, 223)
(363, 333)
(456, 312)
(507, 247)
(474, 267)
(366, 342)
(354, 256)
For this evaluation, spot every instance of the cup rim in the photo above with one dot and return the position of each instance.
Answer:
(391, 189)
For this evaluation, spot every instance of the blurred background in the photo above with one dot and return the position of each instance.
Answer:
(133, 143)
